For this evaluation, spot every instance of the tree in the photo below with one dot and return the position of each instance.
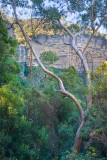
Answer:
(8, 66)
(90, 15)
(13, 124)
(62, 88)
(48, 57)
(88, 11)
(95, 125)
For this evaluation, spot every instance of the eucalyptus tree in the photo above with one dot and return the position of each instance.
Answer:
(89, 12)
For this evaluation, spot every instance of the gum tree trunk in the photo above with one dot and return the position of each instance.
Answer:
(78, 138)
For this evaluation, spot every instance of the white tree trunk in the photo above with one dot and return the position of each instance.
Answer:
(78, 138)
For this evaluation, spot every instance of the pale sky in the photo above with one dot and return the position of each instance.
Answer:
(26, 13)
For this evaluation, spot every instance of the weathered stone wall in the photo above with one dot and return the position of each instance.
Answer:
(96, 52)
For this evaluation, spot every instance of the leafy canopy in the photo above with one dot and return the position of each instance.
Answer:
(86, 11)
(8, 66)
(49, 57)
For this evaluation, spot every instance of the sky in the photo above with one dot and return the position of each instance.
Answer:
(26, 14)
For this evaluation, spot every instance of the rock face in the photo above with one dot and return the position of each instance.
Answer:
(61, 45)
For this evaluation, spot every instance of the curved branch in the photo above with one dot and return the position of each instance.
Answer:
(66, 29)
(84, 61)
(78, 137)
(76, 102)
(47, 71)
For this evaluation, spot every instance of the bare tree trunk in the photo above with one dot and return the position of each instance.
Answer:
(78, 138)
(87, 71)
(62, 88)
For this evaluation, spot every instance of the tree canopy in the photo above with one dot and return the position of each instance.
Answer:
(54, 115)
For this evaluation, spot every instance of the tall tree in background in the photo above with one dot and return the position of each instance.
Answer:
(89, 12)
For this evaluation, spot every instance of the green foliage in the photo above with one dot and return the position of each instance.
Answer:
(8, 66)
(91, 154)
(38, 77)
(18, 3)
(83, 11)
(37, 2)
(14, 128)
(96, 128)
(34, 112)
(41, 124)
(49, 57)
(53, 13)
(100, 81)
(74, 28)
(65, 111)
(74, 84)
(35, 27)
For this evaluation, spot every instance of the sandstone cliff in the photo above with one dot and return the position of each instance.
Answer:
(96, 53)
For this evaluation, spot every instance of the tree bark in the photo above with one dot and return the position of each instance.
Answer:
(78, 137)
(62, 88)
